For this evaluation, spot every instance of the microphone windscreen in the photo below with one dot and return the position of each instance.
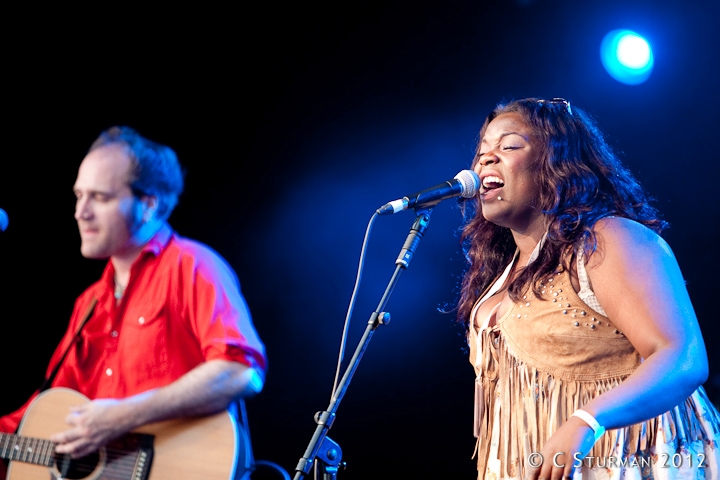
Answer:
(4, 220)
(469, 181)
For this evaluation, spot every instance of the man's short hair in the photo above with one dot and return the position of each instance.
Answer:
(155, 168)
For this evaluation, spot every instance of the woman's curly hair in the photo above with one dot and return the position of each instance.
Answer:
(580, 179)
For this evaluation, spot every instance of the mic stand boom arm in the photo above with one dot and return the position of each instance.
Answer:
(329, 452)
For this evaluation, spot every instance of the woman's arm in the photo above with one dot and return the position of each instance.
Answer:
(638, 282)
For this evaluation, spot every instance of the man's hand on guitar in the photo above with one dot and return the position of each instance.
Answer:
(93, 424)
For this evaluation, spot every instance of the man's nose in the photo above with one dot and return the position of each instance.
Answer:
(82, 210)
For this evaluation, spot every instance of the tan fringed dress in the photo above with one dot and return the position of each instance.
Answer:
(546, 358)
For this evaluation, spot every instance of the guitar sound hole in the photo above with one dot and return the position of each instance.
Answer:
(76, 469)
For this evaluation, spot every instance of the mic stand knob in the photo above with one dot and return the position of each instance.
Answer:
(329, 458)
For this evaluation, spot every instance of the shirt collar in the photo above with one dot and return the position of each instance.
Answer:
(154, 246)
(158, 241)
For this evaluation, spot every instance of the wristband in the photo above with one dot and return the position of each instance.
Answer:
(590, 420)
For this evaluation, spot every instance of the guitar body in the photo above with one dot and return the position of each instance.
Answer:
(199, 448)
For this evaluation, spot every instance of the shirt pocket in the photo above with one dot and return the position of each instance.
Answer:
(144, 343)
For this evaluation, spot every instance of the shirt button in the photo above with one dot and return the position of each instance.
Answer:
(114, 333)
(141, 320)
(108, 372)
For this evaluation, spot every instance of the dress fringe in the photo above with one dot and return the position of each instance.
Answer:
(516, 406)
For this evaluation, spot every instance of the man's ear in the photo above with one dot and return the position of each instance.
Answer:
(149, 207)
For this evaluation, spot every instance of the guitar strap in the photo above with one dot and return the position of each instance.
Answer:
(46, 384)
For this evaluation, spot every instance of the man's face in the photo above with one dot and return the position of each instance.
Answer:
(105, 208)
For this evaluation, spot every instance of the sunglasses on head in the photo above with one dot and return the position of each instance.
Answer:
(557, 101)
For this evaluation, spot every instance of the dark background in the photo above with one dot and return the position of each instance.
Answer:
(295, 121)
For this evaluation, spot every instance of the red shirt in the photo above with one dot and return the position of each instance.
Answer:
(182, 307)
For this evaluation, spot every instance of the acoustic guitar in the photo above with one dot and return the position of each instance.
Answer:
(205, 448)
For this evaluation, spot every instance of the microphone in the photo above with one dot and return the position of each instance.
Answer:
(4, 220)
(465, 184)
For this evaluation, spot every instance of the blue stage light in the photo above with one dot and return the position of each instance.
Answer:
(626, 56)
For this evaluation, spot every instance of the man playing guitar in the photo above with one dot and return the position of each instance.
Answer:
(164, 334)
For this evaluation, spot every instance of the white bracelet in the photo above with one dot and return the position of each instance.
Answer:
(590, 420)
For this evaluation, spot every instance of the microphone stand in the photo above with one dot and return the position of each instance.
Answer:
(321, 447)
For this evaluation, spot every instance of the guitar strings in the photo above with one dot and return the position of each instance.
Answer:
(119, 461)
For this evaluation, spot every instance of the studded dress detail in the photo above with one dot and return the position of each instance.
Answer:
(544, 359)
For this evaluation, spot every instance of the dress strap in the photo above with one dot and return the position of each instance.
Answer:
(501, 279)
(536, 251)
(586, 293)
(498, 283)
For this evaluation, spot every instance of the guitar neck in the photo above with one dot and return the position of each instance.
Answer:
(27, 449)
